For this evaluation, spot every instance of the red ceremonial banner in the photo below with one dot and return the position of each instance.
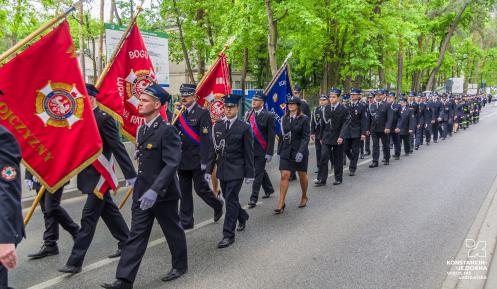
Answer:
(130, 73)
(215, 85)
(46, 106)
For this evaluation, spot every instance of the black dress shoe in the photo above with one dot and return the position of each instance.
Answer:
(241, 226)
(118, 284)
(386, 163)
(267, 195)
(396, 158)
(435, 141)
(45, 251)
(367, 153)
(115, 254)
(361, 156)
(416, 148)
(187, 227)
(319, 184)
(336, 183)
(70, 269)
(351, 173)
(373, 165)
(280, 211)
(225, 242)
(252, 205)
(174, 274)
(219, 213)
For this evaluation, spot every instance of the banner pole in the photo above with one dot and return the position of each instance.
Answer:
(33, 206)
(126, 197)
(37, 32)
(118, 47)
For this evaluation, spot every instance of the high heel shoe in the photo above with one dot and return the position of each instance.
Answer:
(303, 205)
(280, 211)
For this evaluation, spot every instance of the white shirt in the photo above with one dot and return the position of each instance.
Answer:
(190, 107)
(232, 120)
(148, 124)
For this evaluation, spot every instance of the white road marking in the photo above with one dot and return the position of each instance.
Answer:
(107, 261)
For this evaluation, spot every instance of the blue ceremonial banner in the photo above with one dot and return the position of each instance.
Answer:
(277, 92)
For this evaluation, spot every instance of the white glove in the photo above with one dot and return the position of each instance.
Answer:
(130, 182)
(208, 177)
(268, 158)
(203, 167)
(249, 180)
(299, 157)
(29, 184)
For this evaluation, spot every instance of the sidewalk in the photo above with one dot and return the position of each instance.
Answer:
(475, 267)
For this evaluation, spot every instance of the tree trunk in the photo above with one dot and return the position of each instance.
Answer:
(81, 41)
(114, 12)
(183, 45)
(244, 77)
(400, 66)
(101, 38)
(452, 28)
(271, 38)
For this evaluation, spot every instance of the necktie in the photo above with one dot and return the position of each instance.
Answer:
(227, 125)
(145, 128)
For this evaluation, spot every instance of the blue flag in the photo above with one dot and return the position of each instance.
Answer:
(277, 92)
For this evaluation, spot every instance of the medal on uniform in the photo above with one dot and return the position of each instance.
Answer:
(9, 173)
(149, 146)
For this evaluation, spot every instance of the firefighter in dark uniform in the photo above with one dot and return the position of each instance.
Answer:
(194, 124)
(367, 142)
(233, 151)
(262, 123)
(446, 117)
(100, 206)
(334, 120)
(156, 192)
(380, 123)
(304, 106)
(11, 223)
(355, 129)
(405, 125)
(53, 215)
(414, 106)
(394, 137)
(420, 121)
(316, 126)
(436, 106)
(428, 117)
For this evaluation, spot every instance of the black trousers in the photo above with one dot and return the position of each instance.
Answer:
(385, 142)
(396, 143)
(435, 130)
(367, 144)
(420, 134)
(261, 179)
(186, 177)
(406, 139)
(142, 221)
(94, 209)
(428, 131)
(234, 211)
(317, 142)
(351, 148)
(54, 215)
(335, 152)
(4, 280)
(411, 140)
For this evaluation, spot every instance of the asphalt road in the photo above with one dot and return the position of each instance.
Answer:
(390, 227)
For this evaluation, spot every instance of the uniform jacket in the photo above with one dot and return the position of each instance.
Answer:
(295, 137)
(406, 121)
(395, 107)
(159, 156)
(334, 123)
(428, 115)
(11, 222)
(87, 180)
(357, 124)
(447, 111)
(192, 154)
(437, 106)
(381, 116)
(232, 150)
(316, 125)
(265, 123)
(414, 106)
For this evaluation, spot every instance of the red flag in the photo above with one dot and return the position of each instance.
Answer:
(46, 106)
(130, 73)
(215, 85)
